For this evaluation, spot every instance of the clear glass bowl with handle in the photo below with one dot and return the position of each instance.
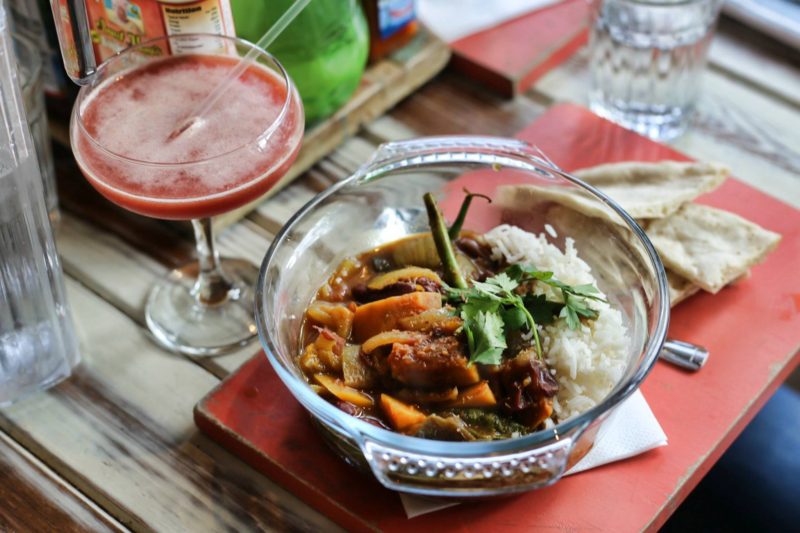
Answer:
(382, 202)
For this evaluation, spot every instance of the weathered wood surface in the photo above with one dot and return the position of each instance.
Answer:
(115, 446)
(32, 498)
(121, 431)
(749, 57)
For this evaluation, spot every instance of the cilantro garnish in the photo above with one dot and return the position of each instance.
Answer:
(575, 297)
(492, 308)
(489, 310)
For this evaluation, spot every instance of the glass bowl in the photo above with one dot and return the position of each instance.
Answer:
(382, 202)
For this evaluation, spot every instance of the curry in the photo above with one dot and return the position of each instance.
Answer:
(433, 336)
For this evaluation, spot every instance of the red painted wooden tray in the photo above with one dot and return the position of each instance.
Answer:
(509, 57)
(752, 330)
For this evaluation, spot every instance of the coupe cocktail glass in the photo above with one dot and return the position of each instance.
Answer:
(122, 133)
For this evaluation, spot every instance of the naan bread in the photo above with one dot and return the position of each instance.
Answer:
(534, 198)
(576, 224)
(679, 288)
(654, 190)
(708, 246)
(644, 190)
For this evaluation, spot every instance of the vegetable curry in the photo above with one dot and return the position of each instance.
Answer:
(432, 337)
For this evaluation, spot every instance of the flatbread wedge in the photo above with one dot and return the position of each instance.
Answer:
(534, 197)
(679, 288)
(644, 190)
(708, 246)
(654, 190)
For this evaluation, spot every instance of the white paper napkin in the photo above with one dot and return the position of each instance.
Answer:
(630, 430)
(452, 20)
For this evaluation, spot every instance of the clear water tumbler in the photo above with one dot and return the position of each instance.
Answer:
(38, 347)
(647, 58)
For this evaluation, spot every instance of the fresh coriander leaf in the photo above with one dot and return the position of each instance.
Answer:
(584, 290)
(514, 318)
(475, 305)
(574, 308)
(573, 322)
(496, 285)
(492, 307)
(557, 284)
(541, 309)
(504, 282)
(514, 272)
(540, 275)
(526, 272)
(588, 291)
(493, 356)
(580, 307)
(489, 337)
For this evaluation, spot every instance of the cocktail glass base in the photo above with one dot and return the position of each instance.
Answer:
(181, 323)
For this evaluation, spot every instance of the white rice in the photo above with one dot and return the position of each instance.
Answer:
(589, 361)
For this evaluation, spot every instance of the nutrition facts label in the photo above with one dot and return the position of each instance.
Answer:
(199, 17)
(192, 17)
(114, 25)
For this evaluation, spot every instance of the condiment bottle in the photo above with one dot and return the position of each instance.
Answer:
(392, 24)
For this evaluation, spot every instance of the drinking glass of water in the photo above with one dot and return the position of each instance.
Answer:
(647, 57)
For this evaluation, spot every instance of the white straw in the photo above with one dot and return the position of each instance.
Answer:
(262, 44)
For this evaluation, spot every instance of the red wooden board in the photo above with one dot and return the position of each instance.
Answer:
(752, 330)
(509, 57)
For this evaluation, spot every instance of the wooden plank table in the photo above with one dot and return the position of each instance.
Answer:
(115, 447)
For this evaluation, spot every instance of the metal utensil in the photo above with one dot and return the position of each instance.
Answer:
(684, 354)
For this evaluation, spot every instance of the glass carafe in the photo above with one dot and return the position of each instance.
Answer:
(37, 340)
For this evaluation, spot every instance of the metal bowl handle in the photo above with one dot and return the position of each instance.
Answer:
(467, 475)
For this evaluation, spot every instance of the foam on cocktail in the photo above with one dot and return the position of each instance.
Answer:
(136, 116)
(226, 162)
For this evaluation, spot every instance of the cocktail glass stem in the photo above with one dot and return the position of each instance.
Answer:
(206, 307)
(211, 287)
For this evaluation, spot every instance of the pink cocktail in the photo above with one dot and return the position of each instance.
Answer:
(122, 134)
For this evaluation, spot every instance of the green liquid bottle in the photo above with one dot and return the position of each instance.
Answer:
(324, 49)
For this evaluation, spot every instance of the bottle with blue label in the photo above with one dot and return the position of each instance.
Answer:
(392, 24)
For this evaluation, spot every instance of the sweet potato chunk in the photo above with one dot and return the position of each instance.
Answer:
(479, 395)
(384, 315)
(401, 416)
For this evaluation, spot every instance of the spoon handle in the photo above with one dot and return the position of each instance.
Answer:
(684, 354)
